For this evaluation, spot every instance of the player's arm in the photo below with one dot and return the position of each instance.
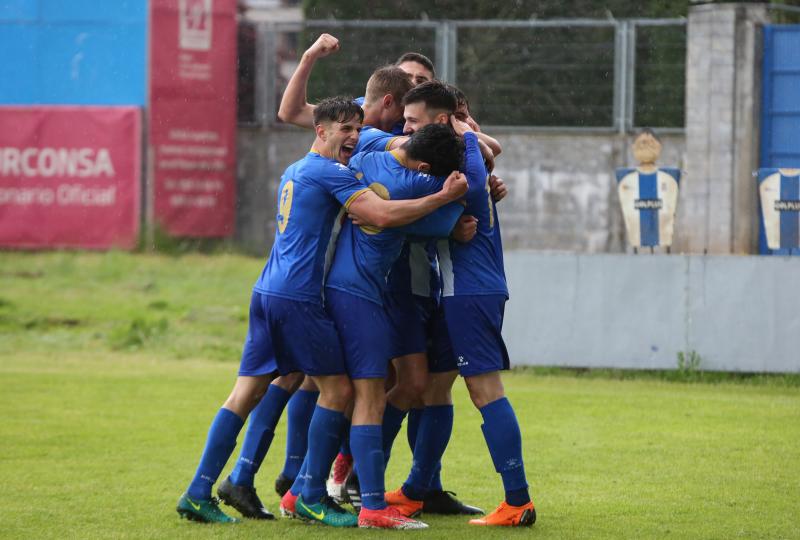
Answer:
(491, 142)
(438, 224)
(367, 208)
(295, 108)
(475, 170)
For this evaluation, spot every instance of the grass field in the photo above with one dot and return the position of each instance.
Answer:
(113, 365)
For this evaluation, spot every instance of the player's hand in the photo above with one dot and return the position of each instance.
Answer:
(460, 127)
(473, 124)
(498, 188)
(326, 44)
(465, 229)
(488, 155)
(355, 219)
(455, 186)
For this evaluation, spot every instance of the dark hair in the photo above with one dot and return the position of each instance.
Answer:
(419, 59)
(337, 109)
(435, 95)
(647, 131)
(438, 146)
(388, 80)
(461, 97)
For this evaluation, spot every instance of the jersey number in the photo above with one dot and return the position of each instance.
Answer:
(285, 205)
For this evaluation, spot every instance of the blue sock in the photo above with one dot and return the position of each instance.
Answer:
(324, 438)
(436, 481)
(366, 443)
(298, 416)
(344, 449)
(412, 426)
(219, 445)
(299, 480)
(433, 435)
(259, 435)
(501, 431)
(392, 421)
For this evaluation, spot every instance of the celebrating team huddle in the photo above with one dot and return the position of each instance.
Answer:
(384, 283)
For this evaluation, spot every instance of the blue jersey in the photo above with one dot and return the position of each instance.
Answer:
(397, 129)
(372, 139)
(365, 254)
(477, 266)
(416, 270)
(311, 194)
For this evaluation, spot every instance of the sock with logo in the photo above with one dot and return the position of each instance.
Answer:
(433, 435)
(259, 435)
(392, 421)
(502, 435)
(299, 480)
(367, 444)
(219, 445)
(324, 438)
(298, 416)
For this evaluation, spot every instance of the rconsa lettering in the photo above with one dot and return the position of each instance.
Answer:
(56, 162)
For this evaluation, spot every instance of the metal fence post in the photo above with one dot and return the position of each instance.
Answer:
(630, 75)
(446, 43)
(265, 74)
(620, 75)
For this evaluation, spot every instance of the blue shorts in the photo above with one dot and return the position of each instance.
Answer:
(417, 326)
(441, 357)
(475, 324)
(364, 330)
(290, 335)
(408, 315)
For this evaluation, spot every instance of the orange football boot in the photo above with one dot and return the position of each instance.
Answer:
(506, 515)
(388, 518)
(404, 505)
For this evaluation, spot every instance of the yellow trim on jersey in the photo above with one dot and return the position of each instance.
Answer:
(389, 143)
(353, 197)
(400, 159)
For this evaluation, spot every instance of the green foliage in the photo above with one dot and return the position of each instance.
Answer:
(138, 333)
(481, 9)
(514, 76)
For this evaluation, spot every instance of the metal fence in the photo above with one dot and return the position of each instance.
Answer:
(586, 74)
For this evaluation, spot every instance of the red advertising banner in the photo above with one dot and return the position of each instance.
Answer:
(193, 116)
(70, 176)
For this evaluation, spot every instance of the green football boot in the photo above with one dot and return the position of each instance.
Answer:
(326, 511)
(203, 511)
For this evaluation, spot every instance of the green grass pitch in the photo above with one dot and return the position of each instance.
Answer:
(113, 365)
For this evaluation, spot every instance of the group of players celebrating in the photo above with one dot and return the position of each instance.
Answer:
(385, 282)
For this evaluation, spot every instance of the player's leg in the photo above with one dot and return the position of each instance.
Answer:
(504, 440)
(257, 369)
(298, 416)
(412, 376)
(475, 326)
(363, 329)
(197, 503)
(238, 489)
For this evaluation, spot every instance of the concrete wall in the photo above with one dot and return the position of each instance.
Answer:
(562, 191)
(723, 84)
(624, 311)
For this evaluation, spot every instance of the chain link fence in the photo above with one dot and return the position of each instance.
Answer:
(608, 75)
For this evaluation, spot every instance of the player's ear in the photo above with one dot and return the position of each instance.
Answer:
(424, 167)
(441, 118)
(388, 101)
(319, 129)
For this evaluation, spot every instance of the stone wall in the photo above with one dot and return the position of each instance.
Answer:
(562, 190)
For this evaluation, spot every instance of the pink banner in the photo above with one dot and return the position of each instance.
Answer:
(193, 116)
(70, 176)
